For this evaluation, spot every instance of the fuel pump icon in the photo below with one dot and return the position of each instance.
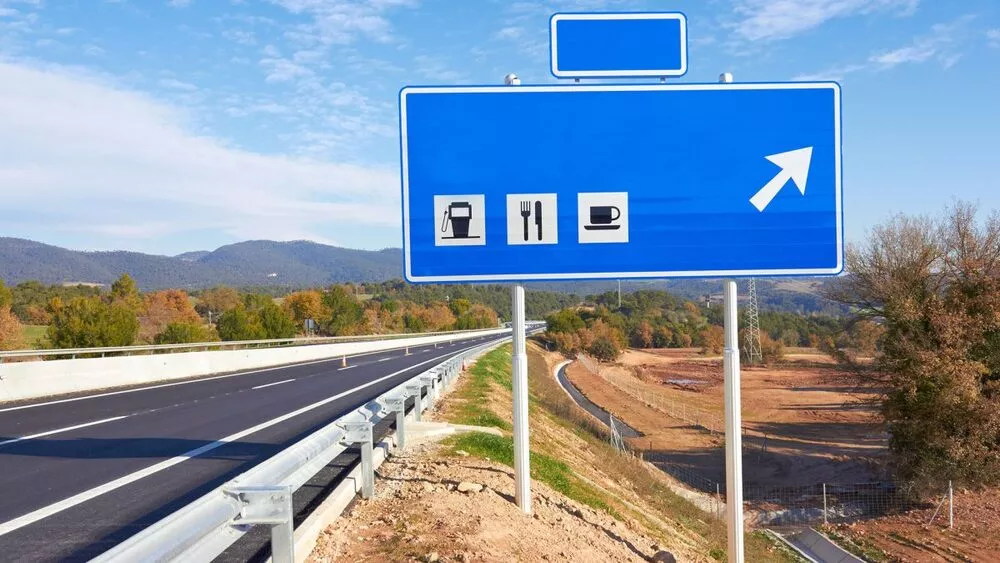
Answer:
(459, 214)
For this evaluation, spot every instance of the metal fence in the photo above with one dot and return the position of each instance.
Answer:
(75, 353)
(773, 506)
(204, 529)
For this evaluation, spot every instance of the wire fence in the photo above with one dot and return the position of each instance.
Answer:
(773, 506)
(701, 419)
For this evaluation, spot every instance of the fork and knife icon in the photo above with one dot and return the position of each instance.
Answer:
(526, 213)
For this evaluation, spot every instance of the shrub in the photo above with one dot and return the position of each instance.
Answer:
(603, 349)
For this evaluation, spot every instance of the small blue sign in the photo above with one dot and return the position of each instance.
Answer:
(618, 45)
(616, 181)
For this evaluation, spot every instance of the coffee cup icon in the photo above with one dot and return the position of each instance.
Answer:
(602, 217)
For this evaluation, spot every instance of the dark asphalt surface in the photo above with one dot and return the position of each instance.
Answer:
(587, 405)
(162, 423)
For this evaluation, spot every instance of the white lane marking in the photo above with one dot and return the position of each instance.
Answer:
(270, 384)
(198, 380)
(347, 367)
(59, 430)
(384, 359)
(55, 508)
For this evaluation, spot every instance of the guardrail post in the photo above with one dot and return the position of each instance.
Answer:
(343, 361)
(271, 506)
(361, 433)
(432, 393)
(418, 401)
(398, 404)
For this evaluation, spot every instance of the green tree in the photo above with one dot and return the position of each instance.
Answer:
(604, 349)
(186, 333)
(276, 322)
(239, 324)
(126, 293)
(6, 296)
(459, 306)
(345, 312)
(89, 322)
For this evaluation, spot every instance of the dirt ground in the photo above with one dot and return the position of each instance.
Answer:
(817, 425)
(909, 538)
(419, 514)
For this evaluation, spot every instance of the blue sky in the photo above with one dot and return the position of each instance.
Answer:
(171, 125)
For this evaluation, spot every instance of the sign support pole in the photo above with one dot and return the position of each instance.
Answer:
(734, 446)
(734, 438)
(522, 473)
(519, 371)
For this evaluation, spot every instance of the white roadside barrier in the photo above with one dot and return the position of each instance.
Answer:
(29, 380)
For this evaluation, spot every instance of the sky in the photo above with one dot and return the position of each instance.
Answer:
(165, 126)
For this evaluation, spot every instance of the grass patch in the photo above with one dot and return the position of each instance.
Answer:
(546, 469)
(474, 391)
(33, 335)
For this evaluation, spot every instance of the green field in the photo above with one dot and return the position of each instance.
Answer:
(33, 335)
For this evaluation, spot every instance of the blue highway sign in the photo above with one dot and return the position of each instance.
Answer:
(618, 45)
(613, 181)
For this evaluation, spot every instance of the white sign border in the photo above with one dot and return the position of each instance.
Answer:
(612, 73)
(838, 165)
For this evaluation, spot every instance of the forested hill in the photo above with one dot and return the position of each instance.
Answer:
(251, 263)
(300, 264)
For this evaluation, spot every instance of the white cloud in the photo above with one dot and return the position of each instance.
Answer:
(763, 20)
(938, 45)
(283, 70)
(510, 32)
(436, 68)
(993, 36)
(83, 156)
(342, 21)
(93, 50)
(835, 73)
(175, 84)
(179, 3)
(240, 36)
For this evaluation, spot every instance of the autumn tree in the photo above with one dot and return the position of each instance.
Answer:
(303, 305)
(162, 308)
(642, 337)
(11, 337)
(217, 300)
(933, 285)
(712, 340)
(460, 306)
(476, 316)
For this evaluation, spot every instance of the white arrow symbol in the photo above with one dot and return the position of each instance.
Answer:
(794, 166)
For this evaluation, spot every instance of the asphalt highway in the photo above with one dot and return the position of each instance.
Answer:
(79, 476)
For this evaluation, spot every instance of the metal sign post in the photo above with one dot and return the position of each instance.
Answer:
(734, 446)
(519, 388)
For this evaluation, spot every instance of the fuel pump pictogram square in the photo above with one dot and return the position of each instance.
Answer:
(460, 220)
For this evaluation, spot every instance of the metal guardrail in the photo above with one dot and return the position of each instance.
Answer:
(205, 528)
(205, 346)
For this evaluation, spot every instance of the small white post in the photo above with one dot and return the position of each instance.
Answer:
(824, 504)
(951, 506)
(734, 449)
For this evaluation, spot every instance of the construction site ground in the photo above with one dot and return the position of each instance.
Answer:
(816, 424)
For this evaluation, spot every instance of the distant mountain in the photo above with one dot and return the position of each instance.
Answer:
(193, 256)
(308, 264)
(251, 263)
